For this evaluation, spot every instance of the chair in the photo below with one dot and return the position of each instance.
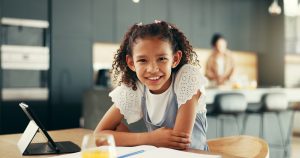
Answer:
(230, 108)
(95, 104)
(277, 122)
(239, 146)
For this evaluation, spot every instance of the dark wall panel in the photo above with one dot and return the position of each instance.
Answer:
(179, 13)
(71, 18)
(242, 21)
(103, 20)
(71, 66)
(71, 76)
(154, 10)
(28, 9)
(71, 69)
(127, 13)
(232, 18)
(200, 23)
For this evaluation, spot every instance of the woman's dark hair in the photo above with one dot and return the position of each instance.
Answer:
(215, 39)
(158, 29)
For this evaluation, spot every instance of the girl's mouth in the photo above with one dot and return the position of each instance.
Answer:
(154, 78)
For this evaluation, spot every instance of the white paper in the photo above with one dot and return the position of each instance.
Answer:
(126, 150)
(150, 152)
(166, 152)
(120, 151)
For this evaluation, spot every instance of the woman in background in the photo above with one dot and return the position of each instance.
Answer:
(220, 64)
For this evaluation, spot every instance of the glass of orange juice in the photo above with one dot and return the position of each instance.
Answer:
(98, 146)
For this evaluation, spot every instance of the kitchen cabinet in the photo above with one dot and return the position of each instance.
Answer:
(25, 60)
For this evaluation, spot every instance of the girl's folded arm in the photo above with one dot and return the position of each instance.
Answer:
(112, 121)
(162, 137)
(186, 115)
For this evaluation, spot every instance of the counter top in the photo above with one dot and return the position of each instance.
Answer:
(254, 95)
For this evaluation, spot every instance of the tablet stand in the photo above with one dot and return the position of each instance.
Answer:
(28, 148)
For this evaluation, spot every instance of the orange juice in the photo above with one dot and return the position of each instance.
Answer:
(95, 154)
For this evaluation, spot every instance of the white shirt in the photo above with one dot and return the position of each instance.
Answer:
(188, 81)
(156, 104)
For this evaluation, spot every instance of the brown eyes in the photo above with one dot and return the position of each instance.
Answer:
(141, 60)
(161, 59)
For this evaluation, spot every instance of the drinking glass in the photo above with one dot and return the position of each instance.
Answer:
(98, 146)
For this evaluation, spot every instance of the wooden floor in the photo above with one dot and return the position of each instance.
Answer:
(296, 146)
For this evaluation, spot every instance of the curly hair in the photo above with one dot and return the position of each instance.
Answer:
(159, 29)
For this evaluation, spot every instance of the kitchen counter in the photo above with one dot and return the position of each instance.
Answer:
(254, 95)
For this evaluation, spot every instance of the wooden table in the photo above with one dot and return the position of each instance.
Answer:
(228, 147)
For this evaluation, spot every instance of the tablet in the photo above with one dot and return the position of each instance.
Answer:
(50, 147)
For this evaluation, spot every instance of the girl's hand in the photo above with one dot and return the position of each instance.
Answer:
(166, 137)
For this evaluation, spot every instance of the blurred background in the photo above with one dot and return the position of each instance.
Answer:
(56, 56)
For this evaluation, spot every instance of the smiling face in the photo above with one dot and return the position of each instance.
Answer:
(153, 59)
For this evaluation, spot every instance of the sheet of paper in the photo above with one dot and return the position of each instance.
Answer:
(166, 152)
(125, 150)
(120, 151)
(150, 152)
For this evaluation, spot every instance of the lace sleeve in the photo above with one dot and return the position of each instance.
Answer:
(188, 80)
(128, 101)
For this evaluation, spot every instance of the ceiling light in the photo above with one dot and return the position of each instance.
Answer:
(135, 1)
(274, 8)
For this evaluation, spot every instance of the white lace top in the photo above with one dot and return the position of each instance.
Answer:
(187, 81)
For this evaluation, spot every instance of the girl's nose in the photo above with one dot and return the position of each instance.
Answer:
(152, 67)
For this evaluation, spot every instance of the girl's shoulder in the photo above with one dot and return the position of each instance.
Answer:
(123, 88)
(189, 70)
(124, 94)
(128, 101)
(188, 80)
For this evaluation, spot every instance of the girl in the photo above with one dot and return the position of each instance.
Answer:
(160, 83)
